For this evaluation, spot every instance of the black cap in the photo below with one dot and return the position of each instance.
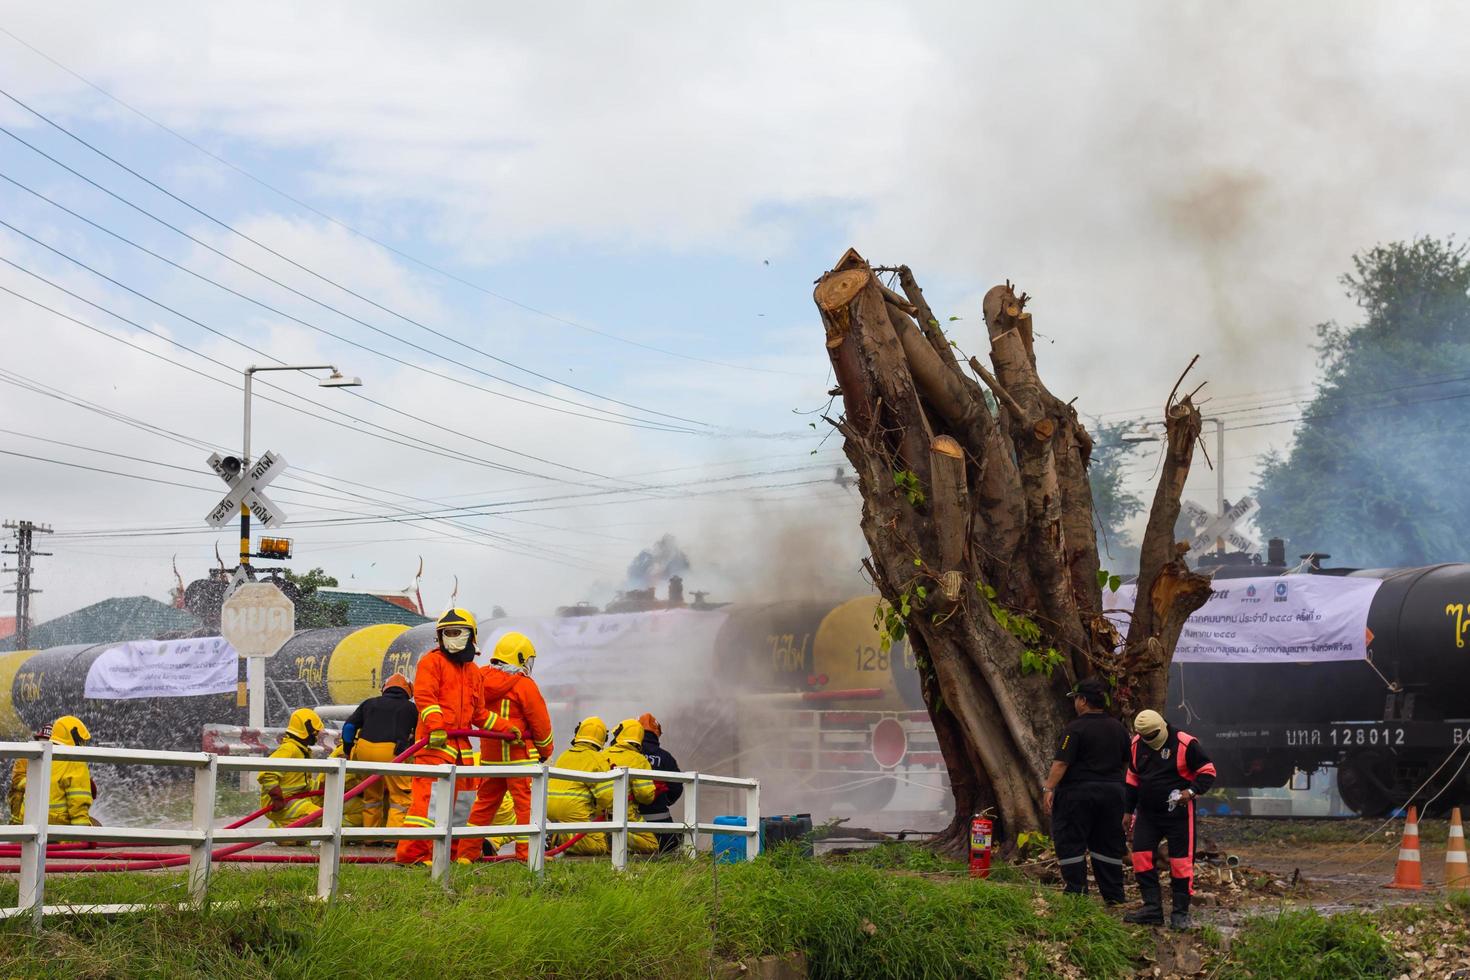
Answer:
(1093, 690)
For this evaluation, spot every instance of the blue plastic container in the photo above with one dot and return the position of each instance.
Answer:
(729, 848)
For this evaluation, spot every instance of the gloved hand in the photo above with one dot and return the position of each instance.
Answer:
(278, 799)
(438, 738)
(515, 735)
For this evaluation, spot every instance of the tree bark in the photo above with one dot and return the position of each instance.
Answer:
(979, 520)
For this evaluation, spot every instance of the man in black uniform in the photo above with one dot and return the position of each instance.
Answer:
(1167, 769)
(1084, 794)
(662, 759)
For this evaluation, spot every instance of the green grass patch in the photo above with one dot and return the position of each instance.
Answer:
(877, 917)
(1311, 946)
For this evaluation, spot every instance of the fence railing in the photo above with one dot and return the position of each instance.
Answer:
(202, 835)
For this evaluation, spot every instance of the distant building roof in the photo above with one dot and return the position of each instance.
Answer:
(370, 609)
(111, 621)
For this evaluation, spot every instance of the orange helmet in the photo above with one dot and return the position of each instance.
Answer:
(399, 681)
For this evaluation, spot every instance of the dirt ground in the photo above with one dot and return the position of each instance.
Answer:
(1328, 865)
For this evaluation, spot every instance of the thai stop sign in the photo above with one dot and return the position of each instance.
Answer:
(257, 619)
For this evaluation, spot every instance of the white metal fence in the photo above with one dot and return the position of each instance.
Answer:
(202, 835)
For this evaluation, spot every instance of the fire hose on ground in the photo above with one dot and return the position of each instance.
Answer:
(67, 851)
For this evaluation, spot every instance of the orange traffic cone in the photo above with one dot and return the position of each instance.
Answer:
(1456, 871)
(1406, 875)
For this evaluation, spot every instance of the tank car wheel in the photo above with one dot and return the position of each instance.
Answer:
(1365, 782)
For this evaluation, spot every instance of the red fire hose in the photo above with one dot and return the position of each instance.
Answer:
(152, 860)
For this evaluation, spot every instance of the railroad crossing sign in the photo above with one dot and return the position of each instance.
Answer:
(247, 487)
(257, 619)
(1222, 528)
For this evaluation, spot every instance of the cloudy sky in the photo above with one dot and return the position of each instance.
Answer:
(570, 254)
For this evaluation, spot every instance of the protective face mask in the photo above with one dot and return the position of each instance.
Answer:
(456, 644)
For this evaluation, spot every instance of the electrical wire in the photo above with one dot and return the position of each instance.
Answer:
(611, 416)
(422, 263)
(285, 258)
(416, 443)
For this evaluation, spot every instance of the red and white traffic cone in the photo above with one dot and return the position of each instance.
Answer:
(1406, 875)
(1456, 870)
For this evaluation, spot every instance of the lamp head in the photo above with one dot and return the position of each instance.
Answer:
(339, 380)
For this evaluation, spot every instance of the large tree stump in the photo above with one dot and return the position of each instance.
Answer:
(978, 516)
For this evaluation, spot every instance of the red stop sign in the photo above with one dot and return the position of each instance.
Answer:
(890, 743)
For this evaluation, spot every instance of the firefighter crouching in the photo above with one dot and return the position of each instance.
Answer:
(1084, 794)
(626, 752)
(16, 798)
(450, 694)
(574, 801)
(379, 731)
(277, 788)
(1166, 771)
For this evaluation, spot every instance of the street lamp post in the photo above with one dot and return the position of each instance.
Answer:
(255, 666)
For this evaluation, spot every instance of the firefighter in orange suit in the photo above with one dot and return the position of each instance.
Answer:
(511, 694)
(450, 695)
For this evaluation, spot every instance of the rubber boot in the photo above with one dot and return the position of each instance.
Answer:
(1152, 913)
(1179, 912)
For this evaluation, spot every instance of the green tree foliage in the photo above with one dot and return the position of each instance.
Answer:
(1113, 504)
(315, 611)
(1377, 473)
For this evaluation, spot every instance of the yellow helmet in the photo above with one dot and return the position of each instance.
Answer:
(628, 733)
(69, 730)
(591, 730)
(457, 617)
(515, 649)
(304, 723)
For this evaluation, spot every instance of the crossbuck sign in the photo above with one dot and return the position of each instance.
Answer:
(248, 487)
(1222, 528)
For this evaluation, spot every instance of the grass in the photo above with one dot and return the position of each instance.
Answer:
(873, 917)
(1311, 946)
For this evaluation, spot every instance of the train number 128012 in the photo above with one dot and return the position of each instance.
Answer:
(1367, 735)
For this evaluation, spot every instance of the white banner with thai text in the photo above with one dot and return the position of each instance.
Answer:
(164, 669)
(1285, 619)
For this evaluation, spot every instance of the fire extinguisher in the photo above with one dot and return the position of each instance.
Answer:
(981, 830)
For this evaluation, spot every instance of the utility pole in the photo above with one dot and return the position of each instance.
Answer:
(1219, 466)
(24, 552)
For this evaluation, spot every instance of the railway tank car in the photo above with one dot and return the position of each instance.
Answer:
(1386, 722)
(732, 681)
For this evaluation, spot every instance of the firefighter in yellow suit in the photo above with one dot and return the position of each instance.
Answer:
(276, 788)
(71, 782)
(626, 752)
(573, 801)
(16, 798)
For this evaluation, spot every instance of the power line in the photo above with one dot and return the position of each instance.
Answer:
(311, 299)
(496, 509)
(418, 444)
(286, 258)
(367, 237)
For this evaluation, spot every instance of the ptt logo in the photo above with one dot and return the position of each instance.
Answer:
(1250, 591)
(1280, 592)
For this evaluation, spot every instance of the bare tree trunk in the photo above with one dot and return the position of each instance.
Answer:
(980, 527)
